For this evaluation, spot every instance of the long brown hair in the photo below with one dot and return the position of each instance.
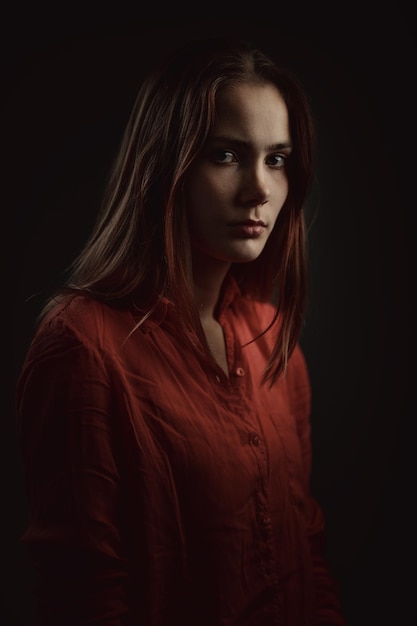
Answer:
(139, 247)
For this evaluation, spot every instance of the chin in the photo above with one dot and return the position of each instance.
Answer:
(247, 253)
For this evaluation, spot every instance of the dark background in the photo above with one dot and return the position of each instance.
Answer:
(68, 83)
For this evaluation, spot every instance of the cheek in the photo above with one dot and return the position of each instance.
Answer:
(281, 186)
(278, 198)
(211, 184)
(203, 194)
(208, 179)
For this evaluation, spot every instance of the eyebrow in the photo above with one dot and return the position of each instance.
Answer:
(247, 144)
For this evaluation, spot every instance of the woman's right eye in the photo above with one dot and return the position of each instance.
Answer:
(225, 156)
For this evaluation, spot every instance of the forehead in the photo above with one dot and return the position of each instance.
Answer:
(245, 107)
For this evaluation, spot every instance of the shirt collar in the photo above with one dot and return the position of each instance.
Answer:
(164, 306)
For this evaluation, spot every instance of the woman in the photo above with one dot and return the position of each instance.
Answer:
(164, 401)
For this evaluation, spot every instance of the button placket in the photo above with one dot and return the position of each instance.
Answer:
(264, 519)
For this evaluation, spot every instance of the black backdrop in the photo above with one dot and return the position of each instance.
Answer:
(68, 85)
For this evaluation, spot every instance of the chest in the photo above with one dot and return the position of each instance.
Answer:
(214, 442)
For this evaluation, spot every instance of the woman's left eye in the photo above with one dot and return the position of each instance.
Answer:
(277, 160)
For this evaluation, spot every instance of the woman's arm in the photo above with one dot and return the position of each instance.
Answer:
(65, 410)
(328, 602)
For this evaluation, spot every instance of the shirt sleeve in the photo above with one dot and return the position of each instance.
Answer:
(65, 412)
(329, 607)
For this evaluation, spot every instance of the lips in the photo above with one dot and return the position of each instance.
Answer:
(248, 229)
(249, 222)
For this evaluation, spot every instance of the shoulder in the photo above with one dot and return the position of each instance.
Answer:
(84, 320)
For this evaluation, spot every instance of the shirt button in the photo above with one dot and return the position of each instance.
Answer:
(264, 519)
(240, 371)
(256, 440)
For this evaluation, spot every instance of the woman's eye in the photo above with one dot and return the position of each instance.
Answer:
(277, 160)
(225, 156)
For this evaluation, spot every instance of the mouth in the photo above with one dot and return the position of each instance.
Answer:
(248, 223)
(248, 229)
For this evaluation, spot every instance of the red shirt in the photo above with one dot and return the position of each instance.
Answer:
(162, 492)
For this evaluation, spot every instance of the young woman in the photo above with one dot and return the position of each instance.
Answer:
(164, 401)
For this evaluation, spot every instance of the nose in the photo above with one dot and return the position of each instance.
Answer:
(254, 186)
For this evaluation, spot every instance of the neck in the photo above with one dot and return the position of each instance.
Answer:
(208, 280)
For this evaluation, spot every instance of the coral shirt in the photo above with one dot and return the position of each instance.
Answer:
(162, 492)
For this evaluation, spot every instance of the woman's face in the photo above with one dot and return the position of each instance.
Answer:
(238, 184)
